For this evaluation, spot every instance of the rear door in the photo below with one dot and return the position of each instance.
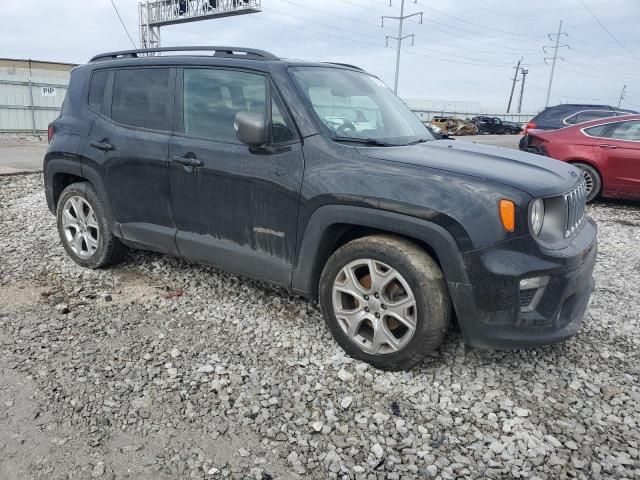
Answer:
(234, 206)
(128, 145)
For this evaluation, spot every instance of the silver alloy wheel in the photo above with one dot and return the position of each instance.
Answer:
(588, 180)
(80, 226)
(374, 306)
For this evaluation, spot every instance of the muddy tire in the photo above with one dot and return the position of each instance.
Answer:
(385, 301)
(85, 231)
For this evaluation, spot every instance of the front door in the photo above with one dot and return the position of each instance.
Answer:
(234, 206)
(129, 145)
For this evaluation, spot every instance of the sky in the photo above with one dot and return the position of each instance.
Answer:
(464, 51)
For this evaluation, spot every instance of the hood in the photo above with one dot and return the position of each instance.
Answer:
(536, 175)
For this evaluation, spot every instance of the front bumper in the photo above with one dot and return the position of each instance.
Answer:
(494, 312)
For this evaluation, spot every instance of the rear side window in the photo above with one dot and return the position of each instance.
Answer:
(140, 97)
(97, 91)
(587, 116)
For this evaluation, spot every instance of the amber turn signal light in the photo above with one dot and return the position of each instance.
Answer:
(508, 215)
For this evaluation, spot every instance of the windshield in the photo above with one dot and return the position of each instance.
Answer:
(358, 107)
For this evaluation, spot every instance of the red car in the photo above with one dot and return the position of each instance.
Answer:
(606, 150)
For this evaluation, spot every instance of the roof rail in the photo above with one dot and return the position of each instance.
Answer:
(345, 65)
(231, 52)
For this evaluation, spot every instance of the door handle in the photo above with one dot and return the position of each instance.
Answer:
(608, 146)
(187, 161)
(102, 145)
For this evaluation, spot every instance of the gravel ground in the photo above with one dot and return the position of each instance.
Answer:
(164, 369)
(23, 139)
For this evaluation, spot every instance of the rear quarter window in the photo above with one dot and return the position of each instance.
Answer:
(97, 90)
(598, 131)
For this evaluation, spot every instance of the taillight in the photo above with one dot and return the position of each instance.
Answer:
(530, 126)
(50, 132)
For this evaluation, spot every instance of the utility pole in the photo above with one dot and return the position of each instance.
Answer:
(524, 77)
(555, 58)
(400, 38)
(513, 86)
(624, 87)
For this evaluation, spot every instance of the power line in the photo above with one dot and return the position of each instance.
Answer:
(484, 27)
(608, 32)
(484, 7)
(447, 25)
(364, 42)
(430, 40)
(123, 25)
(475, 60)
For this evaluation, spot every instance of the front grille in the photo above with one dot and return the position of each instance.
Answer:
(526, 297)
(576, 206)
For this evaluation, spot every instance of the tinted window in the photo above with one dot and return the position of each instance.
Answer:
(213, 97)
(599, 131)
(626, 131)
(140, 97)
(281, 131)
(97, 90)
(586, 116)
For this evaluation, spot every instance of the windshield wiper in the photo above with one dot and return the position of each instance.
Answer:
(365, 141)
(421, 140)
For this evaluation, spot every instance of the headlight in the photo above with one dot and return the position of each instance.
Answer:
(536, 215)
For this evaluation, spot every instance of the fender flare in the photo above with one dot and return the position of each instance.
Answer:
(55, 163)
(318, 233)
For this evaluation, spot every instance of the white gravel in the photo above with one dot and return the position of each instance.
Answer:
(23, 139)
(236, 379)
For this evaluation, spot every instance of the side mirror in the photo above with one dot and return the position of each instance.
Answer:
(251, 128)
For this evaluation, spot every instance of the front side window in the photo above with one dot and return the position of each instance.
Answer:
(626, 131)
(213, 97)
(140, 97)
(357, 106)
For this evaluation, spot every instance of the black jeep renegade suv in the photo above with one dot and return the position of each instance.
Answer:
(316, 177)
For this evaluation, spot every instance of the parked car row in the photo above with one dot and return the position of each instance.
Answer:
(477, 125)
(496, 125)
(454, 126)
(604, 142)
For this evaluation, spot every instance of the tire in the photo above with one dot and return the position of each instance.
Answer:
(93, 245)
(425, 305)
(593, 179)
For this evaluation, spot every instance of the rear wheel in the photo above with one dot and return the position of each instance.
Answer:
(385, 302)
(592, 180)
(85, 231)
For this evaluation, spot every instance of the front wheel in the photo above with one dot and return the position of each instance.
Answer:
(385, 301)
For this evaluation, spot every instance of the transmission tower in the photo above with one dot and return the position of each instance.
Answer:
(624, 89)
(524, 77)
(513, 85)
(154, 14)
(399, 39)
(554, 58)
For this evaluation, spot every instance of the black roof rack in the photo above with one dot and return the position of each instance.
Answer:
(230, 52)
(345, 65)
